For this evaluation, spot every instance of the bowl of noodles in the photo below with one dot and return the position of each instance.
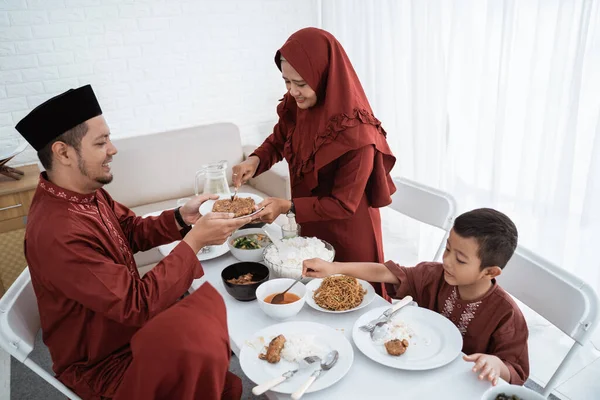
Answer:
(339, 294)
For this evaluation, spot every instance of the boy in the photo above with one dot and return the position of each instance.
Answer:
(463, 289)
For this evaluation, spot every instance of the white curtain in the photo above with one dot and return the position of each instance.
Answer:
(496, 102)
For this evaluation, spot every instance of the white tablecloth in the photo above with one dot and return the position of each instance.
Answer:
(366, 379)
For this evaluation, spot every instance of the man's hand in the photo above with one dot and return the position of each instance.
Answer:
(213, 229)
(318, 268)
(274, 207)
(245, 170)
(489, 367)
(190, 211)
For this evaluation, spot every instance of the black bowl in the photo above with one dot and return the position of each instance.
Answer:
(253, 225)
(260, 274)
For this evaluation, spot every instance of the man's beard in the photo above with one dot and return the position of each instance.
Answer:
(84, 171)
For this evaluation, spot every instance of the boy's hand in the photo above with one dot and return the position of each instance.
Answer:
(318, 268)
(489, 367)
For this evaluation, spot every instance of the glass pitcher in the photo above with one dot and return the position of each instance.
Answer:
(215, 179)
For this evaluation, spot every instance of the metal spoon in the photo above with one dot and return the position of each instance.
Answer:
(327, 363)
(304, 363)
(279, 298)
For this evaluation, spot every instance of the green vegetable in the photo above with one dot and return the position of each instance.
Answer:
(249, 242)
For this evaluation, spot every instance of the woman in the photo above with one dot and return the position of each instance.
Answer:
(337, 152)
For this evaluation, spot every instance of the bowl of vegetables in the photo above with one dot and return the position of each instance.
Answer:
(511, 392)
(248, 244)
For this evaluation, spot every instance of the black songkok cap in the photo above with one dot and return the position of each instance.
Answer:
(54, 117)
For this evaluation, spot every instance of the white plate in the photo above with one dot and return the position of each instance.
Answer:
(313, 285)
(436, 342)
(214, 252)
(260, 371)
(207, 206)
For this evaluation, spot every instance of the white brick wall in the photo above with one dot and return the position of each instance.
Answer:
(155, 65)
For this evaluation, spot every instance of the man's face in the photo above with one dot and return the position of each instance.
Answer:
(96, 152)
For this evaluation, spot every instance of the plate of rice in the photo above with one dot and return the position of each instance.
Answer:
(302, 339)
(339, 294)
(430, 339)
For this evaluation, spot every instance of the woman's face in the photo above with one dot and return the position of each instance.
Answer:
(305, 97)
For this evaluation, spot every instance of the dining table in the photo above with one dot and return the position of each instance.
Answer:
(366, 379)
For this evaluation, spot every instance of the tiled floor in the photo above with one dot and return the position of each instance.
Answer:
(4, 375)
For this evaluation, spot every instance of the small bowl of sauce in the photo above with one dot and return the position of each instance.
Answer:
(294, 299)
(287, 298)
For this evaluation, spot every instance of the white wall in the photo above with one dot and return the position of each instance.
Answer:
(155, 65)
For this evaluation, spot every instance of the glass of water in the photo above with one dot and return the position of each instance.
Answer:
(290, 230)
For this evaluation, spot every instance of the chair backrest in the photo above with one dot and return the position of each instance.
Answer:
(19, 318)
(425, 204)
(19, 325)
(557, 295)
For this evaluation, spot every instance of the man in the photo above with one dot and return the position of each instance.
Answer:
(111, 333)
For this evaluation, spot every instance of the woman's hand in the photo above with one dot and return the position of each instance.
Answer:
(489, 367)
(274, 207)
(245, 170)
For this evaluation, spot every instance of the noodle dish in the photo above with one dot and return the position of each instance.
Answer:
(339, 294)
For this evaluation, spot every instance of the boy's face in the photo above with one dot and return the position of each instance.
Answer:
(461, 262)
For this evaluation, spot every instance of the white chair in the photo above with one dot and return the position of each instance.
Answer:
(19, 325)
(425, 204)
(564, 300)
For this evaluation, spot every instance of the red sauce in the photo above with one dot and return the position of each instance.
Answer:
(287, 298)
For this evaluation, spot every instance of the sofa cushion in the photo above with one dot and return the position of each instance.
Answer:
(162, 166)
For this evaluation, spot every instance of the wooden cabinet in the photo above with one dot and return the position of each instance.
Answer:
(15, 199)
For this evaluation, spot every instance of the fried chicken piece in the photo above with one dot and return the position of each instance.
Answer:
(240, 206)
(396, 347)
(274, 350)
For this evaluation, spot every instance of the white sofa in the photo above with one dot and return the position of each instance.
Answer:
(151, 172)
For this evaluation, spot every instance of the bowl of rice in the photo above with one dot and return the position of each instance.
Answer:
(286, 261)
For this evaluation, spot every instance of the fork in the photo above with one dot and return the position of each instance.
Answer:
(304, 363)
(387, 314)
(234, 195)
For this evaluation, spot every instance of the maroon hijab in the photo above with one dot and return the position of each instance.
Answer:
(342, 119)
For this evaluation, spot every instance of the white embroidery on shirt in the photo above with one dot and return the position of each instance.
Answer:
(88, 211)
(449, 303)
(123, 245)
(83, 199)
(467, 316)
